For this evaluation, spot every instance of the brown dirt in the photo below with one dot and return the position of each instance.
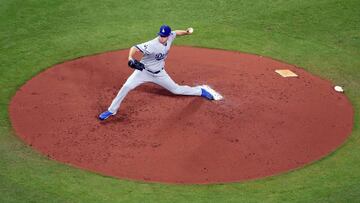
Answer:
(266, 125)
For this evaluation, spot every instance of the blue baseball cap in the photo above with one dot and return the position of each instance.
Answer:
(165, 31)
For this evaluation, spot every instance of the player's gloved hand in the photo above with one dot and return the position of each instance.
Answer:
(135, 64)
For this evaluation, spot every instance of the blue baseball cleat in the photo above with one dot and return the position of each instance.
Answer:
(105, 115)
(206, 94)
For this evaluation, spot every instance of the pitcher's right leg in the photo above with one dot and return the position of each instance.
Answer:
(166, 82)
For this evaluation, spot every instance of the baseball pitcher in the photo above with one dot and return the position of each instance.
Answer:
(151, 68)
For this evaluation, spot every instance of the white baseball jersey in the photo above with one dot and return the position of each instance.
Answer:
(155, 52)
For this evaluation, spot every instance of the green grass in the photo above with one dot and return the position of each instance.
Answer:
(321, 36)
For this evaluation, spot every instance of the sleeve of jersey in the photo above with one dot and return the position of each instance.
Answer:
(173, 35)
(144, 47)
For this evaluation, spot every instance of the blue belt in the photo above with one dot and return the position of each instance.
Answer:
(156, 72)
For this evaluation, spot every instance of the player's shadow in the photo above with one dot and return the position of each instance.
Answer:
(180, 118)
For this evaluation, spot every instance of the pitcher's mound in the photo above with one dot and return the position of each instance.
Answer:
(266, 124)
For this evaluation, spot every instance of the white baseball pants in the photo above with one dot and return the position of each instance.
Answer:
(163, 79)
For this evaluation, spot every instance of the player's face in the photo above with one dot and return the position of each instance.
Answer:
(163, 40)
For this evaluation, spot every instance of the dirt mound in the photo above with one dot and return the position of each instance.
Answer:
(265, 125)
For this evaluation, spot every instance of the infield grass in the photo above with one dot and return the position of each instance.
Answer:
(321, 36)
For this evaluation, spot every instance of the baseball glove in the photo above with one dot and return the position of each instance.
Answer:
(135, 64)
